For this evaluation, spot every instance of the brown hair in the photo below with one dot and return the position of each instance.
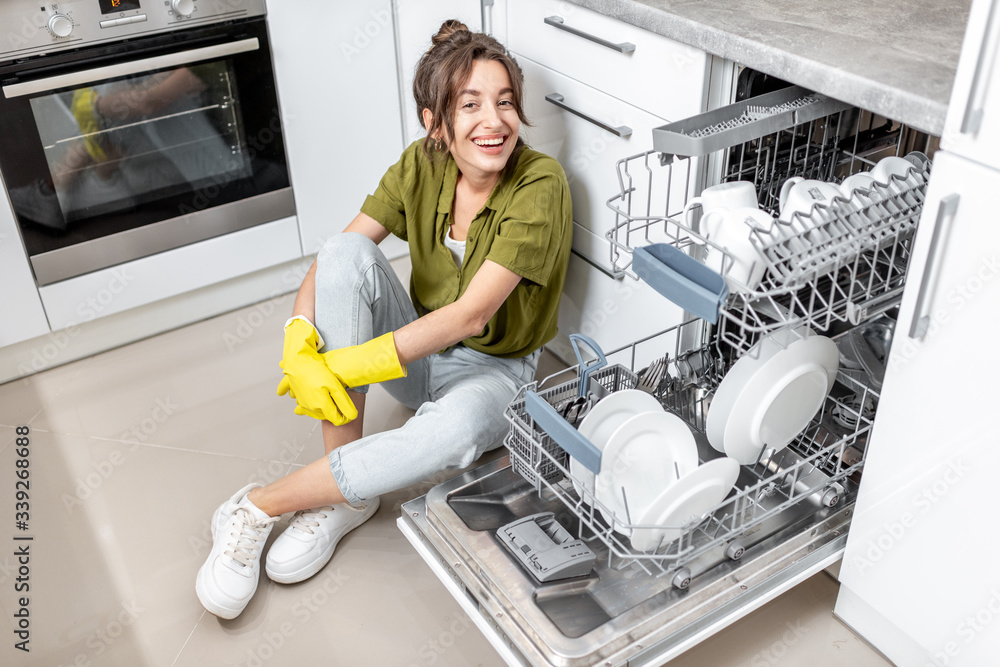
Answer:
(446, 66)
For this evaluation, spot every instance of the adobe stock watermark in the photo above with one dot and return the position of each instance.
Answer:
(321, 591)
(922, 502)
(93, 306)
(266, 472)
(777, 651)
(248, 324)
(598, 316)
(435, 648)
(967, 630)
(101, 471)
(119, 622)
(257, 144)
(959, 297)
(25, 30)
(364, 35)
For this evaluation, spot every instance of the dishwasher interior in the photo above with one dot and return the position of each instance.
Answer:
(836, 271)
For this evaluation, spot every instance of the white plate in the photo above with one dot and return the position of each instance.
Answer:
(781, 398)
(600, 423)
(739, 375)
(691, 497)
(643, 457)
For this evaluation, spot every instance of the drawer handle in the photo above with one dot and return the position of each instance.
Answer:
(623, 131)
(621, 47)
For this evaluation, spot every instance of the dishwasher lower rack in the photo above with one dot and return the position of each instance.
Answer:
(840, 263)
(814, 468)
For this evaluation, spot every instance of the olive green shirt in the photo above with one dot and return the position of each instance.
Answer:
(526, 226)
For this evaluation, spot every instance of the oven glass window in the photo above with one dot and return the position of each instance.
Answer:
(113, 146)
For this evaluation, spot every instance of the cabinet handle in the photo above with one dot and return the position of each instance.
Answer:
(486, 11)
(921, 314)
(973, 116)
(620, 47)
(622, 131)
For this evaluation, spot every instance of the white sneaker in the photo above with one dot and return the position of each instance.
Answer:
(308, 542)
(228, 579)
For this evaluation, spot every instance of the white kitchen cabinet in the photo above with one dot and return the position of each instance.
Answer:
(23, 317)
(587, 151)
(916, 579)
(649, 71)
(335, 65)
(418, 21)
(975, 96)
(154, 278)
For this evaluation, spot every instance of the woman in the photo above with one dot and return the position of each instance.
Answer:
(488, 222)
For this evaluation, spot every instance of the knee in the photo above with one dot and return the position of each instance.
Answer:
(347, 249)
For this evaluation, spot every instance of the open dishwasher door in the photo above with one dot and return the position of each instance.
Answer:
(611, 616)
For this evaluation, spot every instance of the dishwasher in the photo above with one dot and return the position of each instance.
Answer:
(545, 568)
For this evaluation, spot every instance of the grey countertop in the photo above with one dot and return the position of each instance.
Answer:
(894, 57)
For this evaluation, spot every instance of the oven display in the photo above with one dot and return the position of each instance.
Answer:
(108, 6)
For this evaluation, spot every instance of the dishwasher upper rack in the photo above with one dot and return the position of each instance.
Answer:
(841, 263)
(814, 466)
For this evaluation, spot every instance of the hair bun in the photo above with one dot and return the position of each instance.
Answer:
(448, 28)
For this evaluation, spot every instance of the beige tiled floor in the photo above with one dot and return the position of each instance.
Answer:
(133, 449)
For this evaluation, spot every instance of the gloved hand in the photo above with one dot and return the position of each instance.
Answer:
(84, 109)
(317, 390)
(374, 361)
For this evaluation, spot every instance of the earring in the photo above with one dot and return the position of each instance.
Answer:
(438, 145)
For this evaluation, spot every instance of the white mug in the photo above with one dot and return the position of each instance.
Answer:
(722, 197)
(860, 181)
(799, 195)
(732, 230)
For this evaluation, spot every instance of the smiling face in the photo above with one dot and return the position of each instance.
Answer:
(486, 122)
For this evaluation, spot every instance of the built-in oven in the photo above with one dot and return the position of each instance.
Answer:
(133, 127)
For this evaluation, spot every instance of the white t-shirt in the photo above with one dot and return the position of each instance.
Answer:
(457, 248)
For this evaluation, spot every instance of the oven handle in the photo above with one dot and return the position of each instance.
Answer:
(133, 67)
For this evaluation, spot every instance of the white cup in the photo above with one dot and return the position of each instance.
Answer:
(722, 197)
(799, 195)
(732, 230)
(860, 181)
(890, 171)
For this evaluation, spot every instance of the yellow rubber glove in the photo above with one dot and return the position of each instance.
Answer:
(374, 361)
(317, 390)
(84, 108)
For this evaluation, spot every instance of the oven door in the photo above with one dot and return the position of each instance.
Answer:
(121, 151)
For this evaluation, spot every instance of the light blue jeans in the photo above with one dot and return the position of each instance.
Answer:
(459, 395)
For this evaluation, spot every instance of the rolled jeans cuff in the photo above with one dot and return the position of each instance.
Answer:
(345, 487)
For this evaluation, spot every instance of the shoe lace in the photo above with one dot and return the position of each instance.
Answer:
(248, 537)
(306, 520)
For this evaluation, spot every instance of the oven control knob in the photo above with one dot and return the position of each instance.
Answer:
(183, 7)
(60, 25)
